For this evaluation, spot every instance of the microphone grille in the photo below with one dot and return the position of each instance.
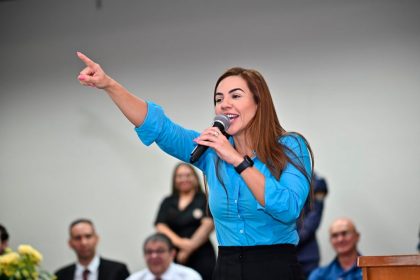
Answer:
(223, 119)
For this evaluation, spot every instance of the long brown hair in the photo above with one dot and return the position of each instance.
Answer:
(198, 187)
(264, 130)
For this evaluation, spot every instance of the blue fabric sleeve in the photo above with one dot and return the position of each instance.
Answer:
(149, 130)
(285, 198)
(170, 137)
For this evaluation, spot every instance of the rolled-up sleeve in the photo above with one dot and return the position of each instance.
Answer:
(285, 198)
(149, 130)
(170, 137)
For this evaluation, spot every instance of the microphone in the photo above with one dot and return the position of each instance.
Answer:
(222, 122)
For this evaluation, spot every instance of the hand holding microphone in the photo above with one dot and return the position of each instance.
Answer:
(222, 122)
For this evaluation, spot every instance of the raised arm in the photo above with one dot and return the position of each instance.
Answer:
(133, 107)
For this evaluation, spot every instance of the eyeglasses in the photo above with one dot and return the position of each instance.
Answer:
(344, 234)
(181, 176)
(158, 252)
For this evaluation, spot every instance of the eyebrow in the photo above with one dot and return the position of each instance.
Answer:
(342, 232)
(235, 89)
(230, 91)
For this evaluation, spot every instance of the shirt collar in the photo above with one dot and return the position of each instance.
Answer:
(354, 266)
(92, 267)
(167, 275)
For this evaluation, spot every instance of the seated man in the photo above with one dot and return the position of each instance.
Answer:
(83, 240)
(344, 238)
(159, 253)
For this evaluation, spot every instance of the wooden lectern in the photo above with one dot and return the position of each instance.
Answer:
(399, 267)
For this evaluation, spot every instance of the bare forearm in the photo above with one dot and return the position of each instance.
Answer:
(253, 178)
(133, 107)
(255, 181)
(201, 235)
(176, 239)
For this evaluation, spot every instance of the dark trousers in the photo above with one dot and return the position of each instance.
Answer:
(268, 262)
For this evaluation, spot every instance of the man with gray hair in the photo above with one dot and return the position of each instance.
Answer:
(159, 254)
(344, 238)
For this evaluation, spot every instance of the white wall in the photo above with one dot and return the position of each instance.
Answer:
(344, 73)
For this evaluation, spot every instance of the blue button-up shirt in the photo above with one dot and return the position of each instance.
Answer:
(239, 219)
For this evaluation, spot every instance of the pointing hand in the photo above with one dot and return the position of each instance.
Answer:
(92, 75)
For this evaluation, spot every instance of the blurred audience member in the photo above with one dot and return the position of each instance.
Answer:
(183, 218)
(307, 249)
(344, 238)
(83, 240)
(418, 245)
(4, 239)
(159, 254)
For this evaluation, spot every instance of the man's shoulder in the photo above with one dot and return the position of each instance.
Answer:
(334, 271)
(110, 269)
(66, 270)
(108, 262)
(185, 272)
(138, 275)
(322, 272)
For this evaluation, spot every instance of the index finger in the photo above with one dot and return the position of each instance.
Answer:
(86, 59)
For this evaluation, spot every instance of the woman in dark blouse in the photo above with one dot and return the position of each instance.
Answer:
(183, 217)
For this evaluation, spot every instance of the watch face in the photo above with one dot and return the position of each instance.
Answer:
(249, 160)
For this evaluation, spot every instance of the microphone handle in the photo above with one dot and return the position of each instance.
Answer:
(197, 152)
(200, 149)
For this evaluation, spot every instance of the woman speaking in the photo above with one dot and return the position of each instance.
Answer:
(258, 179)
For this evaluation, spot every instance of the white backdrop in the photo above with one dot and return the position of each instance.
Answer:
(343, 73)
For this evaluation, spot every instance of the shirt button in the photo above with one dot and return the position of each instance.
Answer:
(236, 201)
(241, 231)
(239, 216)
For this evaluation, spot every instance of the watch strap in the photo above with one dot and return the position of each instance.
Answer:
(247, 162)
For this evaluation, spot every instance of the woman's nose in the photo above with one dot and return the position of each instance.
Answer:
(226, 103)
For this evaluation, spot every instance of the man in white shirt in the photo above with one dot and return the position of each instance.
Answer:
(159, 254)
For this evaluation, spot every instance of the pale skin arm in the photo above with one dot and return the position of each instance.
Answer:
(253, 178)
(201, 235)
(135, 110)
(188, 245)
(255, 181)
(175, 238)
(133, 107)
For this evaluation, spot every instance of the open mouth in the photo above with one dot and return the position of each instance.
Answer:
(232, 116)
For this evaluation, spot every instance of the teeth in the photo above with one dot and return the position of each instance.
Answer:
(231, 116)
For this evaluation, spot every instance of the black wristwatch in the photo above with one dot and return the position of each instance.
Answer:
(248, 162)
